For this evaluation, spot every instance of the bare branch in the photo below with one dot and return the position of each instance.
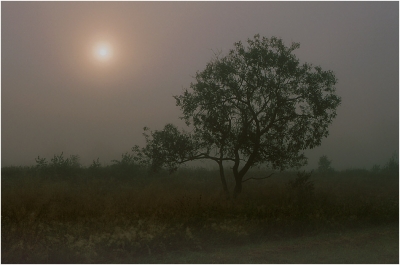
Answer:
(259, 178)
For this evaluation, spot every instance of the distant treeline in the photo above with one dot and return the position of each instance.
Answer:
(127, 167)
(61, 166)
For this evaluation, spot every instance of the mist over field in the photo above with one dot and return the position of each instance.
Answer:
(98, 164)
(61, 95)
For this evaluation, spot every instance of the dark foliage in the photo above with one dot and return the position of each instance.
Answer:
(324, 165)
(256, 105)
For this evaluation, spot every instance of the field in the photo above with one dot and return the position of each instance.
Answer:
(112, 216)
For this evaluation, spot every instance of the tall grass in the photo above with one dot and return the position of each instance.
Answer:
(104, 216)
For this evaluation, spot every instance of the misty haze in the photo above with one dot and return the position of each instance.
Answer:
(200, 132)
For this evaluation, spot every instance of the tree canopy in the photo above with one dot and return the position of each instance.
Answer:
(256, 105)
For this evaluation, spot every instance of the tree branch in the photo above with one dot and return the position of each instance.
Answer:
(204, 156)
(258, 178)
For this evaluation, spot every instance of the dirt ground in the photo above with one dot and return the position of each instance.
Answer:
(367, 245)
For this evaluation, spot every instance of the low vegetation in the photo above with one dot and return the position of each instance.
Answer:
(125, 214)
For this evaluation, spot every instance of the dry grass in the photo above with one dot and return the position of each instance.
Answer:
(89, 219)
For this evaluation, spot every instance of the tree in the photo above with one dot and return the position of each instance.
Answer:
(256, 105)
(324, 165)
(392, 166)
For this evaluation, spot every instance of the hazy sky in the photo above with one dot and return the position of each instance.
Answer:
(57, 96)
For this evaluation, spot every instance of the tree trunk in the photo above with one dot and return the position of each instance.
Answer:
(239, 174)
(238, 186)
(223, 180)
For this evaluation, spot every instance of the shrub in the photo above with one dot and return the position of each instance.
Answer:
(126, 167)
(59, 166)
(301, 191)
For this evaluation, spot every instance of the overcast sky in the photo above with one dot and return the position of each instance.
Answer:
(56, 96)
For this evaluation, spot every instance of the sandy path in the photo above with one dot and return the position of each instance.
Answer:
(370, 245)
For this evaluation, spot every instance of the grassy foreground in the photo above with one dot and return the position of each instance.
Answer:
(184, 218)
(372, 245)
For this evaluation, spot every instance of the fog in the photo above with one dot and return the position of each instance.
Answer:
(56, 97)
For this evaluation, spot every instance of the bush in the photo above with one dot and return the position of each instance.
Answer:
(59, 165)
(126, 167)
(301, 190)
(391, 168)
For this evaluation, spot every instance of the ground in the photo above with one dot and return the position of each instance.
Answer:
(107, 217)
(366, 245)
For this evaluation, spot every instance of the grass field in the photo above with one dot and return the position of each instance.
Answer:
(105, 216)
(377, 244)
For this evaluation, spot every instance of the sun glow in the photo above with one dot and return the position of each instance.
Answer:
(102, 60)
(103, 51)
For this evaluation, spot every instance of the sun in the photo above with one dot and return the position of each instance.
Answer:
(102, 51)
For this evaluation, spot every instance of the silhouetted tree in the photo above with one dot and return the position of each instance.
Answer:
(392, 166)
(324, 165)
(256, 105)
